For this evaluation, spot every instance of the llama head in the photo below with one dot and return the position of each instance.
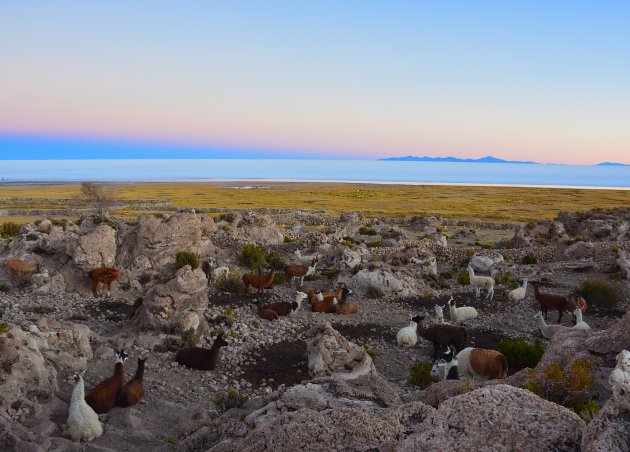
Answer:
(220, 341)
(417, 318)
(294, 305)
(320, 296)
(76, 377)
(452, 302)
(120, 356)
(301, 295)
(335, 300)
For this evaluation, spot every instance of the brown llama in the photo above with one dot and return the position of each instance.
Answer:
(19, 267)
(103, 275)
(259, 282)
(132, 391)
(549, 301)
(104, 396)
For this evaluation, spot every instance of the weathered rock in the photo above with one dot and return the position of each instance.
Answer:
(579, 250)
(382, 281)
(485, 262)
(330, 354)
(498, 417)
(624, 264)
(539, 233)
(96, 248)
(177, 305)
(610, 428)
(153, 243)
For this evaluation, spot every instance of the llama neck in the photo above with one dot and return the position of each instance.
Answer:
(525, 285)
(78, 393)
(139, 371)
(541, 321)
(118, 371)
(578, 315)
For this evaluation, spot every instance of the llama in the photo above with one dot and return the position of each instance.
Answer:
(549, 301)
(407, 336)
(298, 271)
(305, 259)
(259, 282)
(19, 267)
(476, 363)
(83, 422)
(299, 298)
(460, 314)
(481, 282)
(443, 335)
(321, 305)
(104, 396)
(548, 331)
(518, 293)
(103, 275)
(202, 358)
(439, 313)
(132, 391)
(574, 303)
(282, 307)
(345, 308)
(580, 324)
(264, 313)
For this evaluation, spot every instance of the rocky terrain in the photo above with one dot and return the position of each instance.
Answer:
(307, 381)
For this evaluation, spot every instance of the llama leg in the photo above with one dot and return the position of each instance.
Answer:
(109, 289)
(95, 288)
(559, 315)
(10, 274)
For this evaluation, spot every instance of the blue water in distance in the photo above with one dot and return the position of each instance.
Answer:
(315, 170)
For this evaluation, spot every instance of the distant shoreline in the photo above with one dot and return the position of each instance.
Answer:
(302, 181)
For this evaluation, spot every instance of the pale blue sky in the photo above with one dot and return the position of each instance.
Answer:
(544, 81)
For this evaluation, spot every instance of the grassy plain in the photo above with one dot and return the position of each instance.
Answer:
(476, 203)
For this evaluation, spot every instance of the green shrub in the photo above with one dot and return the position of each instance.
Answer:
(447, 274)
(567, 388)
(186, 258)
(189, 337)
(9, 229)
(463, 278)
(278, 278)
(288, 239)
(253, 256)
(171, 441)
(506, 279)
(228, 217)
(363, 230)
(529, 260)
(347, 241)
(232, 283)
(331, 274)
(420, 374)
(228, 400)
(375, 244)
(521, 353)
(367, 349)
(600, 293)
(375, 292)
(4, 327)
(470, 253)
(275, 261)
(230, 312)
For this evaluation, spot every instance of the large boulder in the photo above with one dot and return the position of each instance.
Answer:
(177, 305)
(484, 263)
(96, 248)
(253, 228)
(498, 418)
(610, 429)
(539, 233)
(623, 261)
(331, 354)
(153, 242)
(382, 281)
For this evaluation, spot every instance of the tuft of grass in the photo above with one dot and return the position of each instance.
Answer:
(332, 273)
(288, 239)
(375, 292)
(228, 217)
(375, 244)
(599, 293)
(521, 353)
(232, 283)
(364, 230)
(420, 374)
(189, 337)
(275, 261)
(252, 256)
(347, 241)
(171, 441)
(367, 349)
(4, 327)
(186, 258)
(9, 229)
(228, 400)
(463, 278)
(529, 260)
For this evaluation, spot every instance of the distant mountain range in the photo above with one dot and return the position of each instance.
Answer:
(488, 159)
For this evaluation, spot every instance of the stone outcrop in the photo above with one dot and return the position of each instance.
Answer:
(484, 263)
(610, 428)
(539, 233)
(96, 248)
(176, 305)
(331, 354)
(498, 417)
(153, 243)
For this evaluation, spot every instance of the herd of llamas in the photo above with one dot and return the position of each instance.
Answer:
(453, 360)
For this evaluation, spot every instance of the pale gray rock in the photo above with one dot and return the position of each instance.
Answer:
(483, 263)
(498, 418)
(178, 304)
(96, 248)
(331, 354)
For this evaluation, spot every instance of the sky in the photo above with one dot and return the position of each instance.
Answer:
(536, 80)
